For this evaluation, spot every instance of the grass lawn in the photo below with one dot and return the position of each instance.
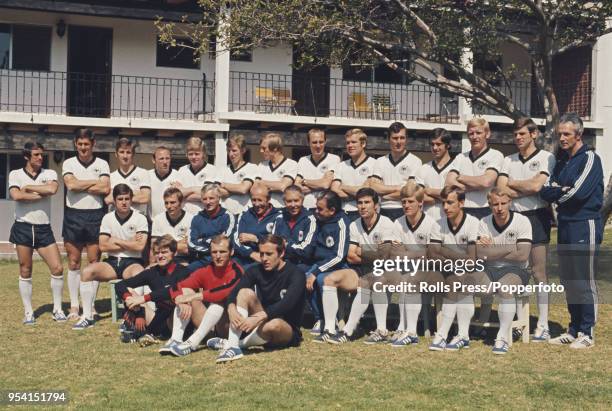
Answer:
(100, 372)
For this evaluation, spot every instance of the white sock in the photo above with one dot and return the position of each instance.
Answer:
(506, 311)
(74, 281)
(360, 305)
(381, 304)
(57, 287)
(178, 326)
(465, 312)
(542, 301)
(401, 305)
(449, 309)
(252, 340)
(25, 290)
(213, 314)
(87, 296)
(412, 307)
(486, 303)
(95, 286)
(330, 307)
(233, 339)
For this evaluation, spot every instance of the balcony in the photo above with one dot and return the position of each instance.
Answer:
(338, 98)
(105, 96)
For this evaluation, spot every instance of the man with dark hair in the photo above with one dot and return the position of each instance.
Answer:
(271, 316)
(160, 278)
(87, 182)
(128, 173)
(576, 185)
(393, 171)
(522, 176)
(123, 236)
(432, 175)
(175, 222)
(31, 187)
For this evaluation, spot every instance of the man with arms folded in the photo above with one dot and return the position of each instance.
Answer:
(237, 178)
(123, 235)
(504, 240)
(352, 174)
(211, 221)
(393, 171)
(522, 176)
(161, 177)
(276, 171)
(160, 278)
(128, 173)
(271, 316)
(253, 224)
(175, 222)
(210, 285)
(31, 187)
(87, 182)
(297, 226)
(315, 171)
(456, 240)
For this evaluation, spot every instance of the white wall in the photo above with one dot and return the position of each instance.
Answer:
(602, 101)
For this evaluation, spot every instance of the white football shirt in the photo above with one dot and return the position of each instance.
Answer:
(420, 234)
(465, 164)
(433, 177)
(190, 178)
(178, 229)
(124, 229)
(396, 173)
(92, 171)
(32, 212)
(308, 169)
(353, 174)
(286, 168)
(465, 234)
(516, 230)
(136, 179)
(237, 203)
(158, 186)
(382, 231)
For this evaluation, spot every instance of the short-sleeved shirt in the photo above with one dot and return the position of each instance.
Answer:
(465, 234)
(237, 203)
(419, 234)
(124, 229)
(32, 212)
(518, 168)
(352, 174)
(467, 165)
(158, 185)
(396, 173)
(309, 169)
(267, 172)
(516, 230)
(179, 229)
(85, 171)
(136, 179)
(382, 231)
(190, 178)
(433, 177)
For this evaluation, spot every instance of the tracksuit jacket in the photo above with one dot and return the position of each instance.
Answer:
(298, 233)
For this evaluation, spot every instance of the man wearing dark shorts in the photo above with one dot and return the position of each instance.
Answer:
(270, 316)
(123, 236)
(87, 181)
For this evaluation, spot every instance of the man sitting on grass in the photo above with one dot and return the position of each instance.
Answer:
(159, 278)
(272, 315)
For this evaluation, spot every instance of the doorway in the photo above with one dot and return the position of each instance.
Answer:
(310, 89)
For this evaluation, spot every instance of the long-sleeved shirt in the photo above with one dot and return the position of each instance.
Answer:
(250, 222)
(204, 227)
(299, 233)
(216, 282)
(331, 244)
(583, 174)
(281, 292)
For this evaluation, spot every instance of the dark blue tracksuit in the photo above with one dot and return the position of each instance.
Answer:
(249, 222)
(580, 232)
(299, 234)
(203, 228)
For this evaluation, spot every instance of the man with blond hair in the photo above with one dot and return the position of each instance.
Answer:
(276, 171)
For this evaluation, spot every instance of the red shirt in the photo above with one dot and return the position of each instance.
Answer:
(216, 282)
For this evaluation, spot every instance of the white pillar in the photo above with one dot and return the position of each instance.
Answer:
(222, 66)
(220, 149)
(465, 110)
(602, 101)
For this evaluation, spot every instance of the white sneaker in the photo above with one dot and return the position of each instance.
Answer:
(540, 335)
(563, 339)
(583, 341)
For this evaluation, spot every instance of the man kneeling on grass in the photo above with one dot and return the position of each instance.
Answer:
(159, 278)
(216, 281)
(270, 317)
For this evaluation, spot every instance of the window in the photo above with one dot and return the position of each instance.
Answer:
(382, 74)
(177, 57)
(235, 55)
(487, 67)
(12, 161)
(25, 47)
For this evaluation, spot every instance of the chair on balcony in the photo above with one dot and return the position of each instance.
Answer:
(358, 102)
(283, 100)
(265, 99)
(383, 107)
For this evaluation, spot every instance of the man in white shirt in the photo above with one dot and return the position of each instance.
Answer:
(123, 236)
(432, 175)
(393, 171)
(175, 222)
(315, 171)
(161, 177)
(87, 182)
(128, 173)
(276, 172)
(354, 173)
(31, 187)
(237, 177)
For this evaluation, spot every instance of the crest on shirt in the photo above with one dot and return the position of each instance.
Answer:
(482, 164)
(323, 168)
(511, 236)
(182, 230)
(269, 227)
(421, 237)
(280, 173)
(534, 165)
(376, 237)
(241, 175)
(132, 227)
(329, 241)
(363, 171)
(463, 239)
(134, 180)
(300, 235)
(202, 176)
(97, 170)
(404, 170)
